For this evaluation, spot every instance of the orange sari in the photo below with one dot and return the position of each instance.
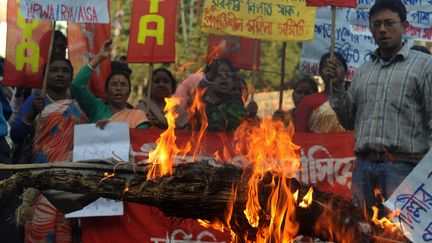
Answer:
(53, 143)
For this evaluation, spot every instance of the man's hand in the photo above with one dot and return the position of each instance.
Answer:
(335, 71)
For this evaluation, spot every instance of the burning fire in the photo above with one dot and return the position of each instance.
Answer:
(162, 158)
(307, 199)
(269, 147)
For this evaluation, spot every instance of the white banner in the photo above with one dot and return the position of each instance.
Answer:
(420, 23)
(83, 11)
(411, 5)
(413, 198)
(356, 49)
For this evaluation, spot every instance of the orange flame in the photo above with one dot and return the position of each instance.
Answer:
(197, 109)
(269, 147)
(162, 158)
(106, 176)
(384, 222)
(307, 199)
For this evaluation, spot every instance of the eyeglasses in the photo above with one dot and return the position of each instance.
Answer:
(387, 23)
(226, 74)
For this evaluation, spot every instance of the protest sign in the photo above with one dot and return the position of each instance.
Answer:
(411, 5)
(413, 198)
(27, 44)
(336, 3)
(420, 23)
(356, 49)
(82, 11)
(242, 52)
(152, 31)
(92, 143)
(84, 43)
(276, 20)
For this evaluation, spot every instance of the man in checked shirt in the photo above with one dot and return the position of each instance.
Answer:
(389, 106)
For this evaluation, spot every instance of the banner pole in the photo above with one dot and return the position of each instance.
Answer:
(332, 41)
(150, 77)
(43, 91)
(254, 68)
(281, 87)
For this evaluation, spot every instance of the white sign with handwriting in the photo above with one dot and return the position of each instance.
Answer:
(93, 143)
(413, 198)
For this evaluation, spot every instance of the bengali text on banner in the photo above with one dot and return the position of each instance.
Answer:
(285, 20)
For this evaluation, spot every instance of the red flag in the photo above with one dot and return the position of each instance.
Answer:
(27, 44)
(242, 52)
(84, 42)
(152, 31)
(336, 3)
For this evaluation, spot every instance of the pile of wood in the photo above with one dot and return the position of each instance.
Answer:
(200, 190)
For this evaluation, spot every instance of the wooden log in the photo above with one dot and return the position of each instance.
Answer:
(199, 190)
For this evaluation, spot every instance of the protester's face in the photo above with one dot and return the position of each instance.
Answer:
(303, 89)
(323, 71)
(223, 82)
(59, 76)
(118, 90)
(59, 48)
(238, 89)
(161, 85)
(387, 30)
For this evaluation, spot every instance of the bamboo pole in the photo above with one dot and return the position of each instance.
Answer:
(332, 41)
(281, 87)
(150, 77)
(45, 77)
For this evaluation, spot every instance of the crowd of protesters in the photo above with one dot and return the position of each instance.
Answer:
(388, 106)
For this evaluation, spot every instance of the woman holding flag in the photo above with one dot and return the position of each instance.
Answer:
(52, 119)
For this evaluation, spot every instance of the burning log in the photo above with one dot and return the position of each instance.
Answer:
(203, 190)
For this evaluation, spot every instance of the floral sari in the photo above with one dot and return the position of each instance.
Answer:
(324, 120)
(53, 143)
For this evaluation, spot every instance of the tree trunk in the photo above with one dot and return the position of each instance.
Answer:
(199, 190)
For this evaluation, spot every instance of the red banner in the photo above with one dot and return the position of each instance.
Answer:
(242, 52)
(327, 162)
(152, 31)
(337, 3)
(84, 42)
(27, 44)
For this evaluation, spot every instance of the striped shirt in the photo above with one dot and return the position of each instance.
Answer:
(389, 104)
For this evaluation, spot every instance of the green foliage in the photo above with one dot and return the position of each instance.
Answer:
(191, 47)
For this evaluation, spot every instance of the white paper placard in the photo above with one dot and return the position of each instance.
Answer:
(92, 143)
(413, 198)
(100, 207)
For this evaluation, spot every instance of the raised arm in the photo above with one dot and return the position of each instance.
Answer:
(87, 101)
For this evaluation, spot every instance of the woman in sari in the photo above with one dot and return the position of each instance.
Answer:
(163, 86)
(117, 89)
(53, 118)
(314, 113)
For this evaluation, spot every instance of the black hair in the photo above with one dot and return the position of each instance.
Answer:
(117, 72)
(212, 67)
(327, 56)
(393, 5)
(57, 58)
(421, 48)
(171, 77)
(59, 35)
(310, 81)
(121, 67)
